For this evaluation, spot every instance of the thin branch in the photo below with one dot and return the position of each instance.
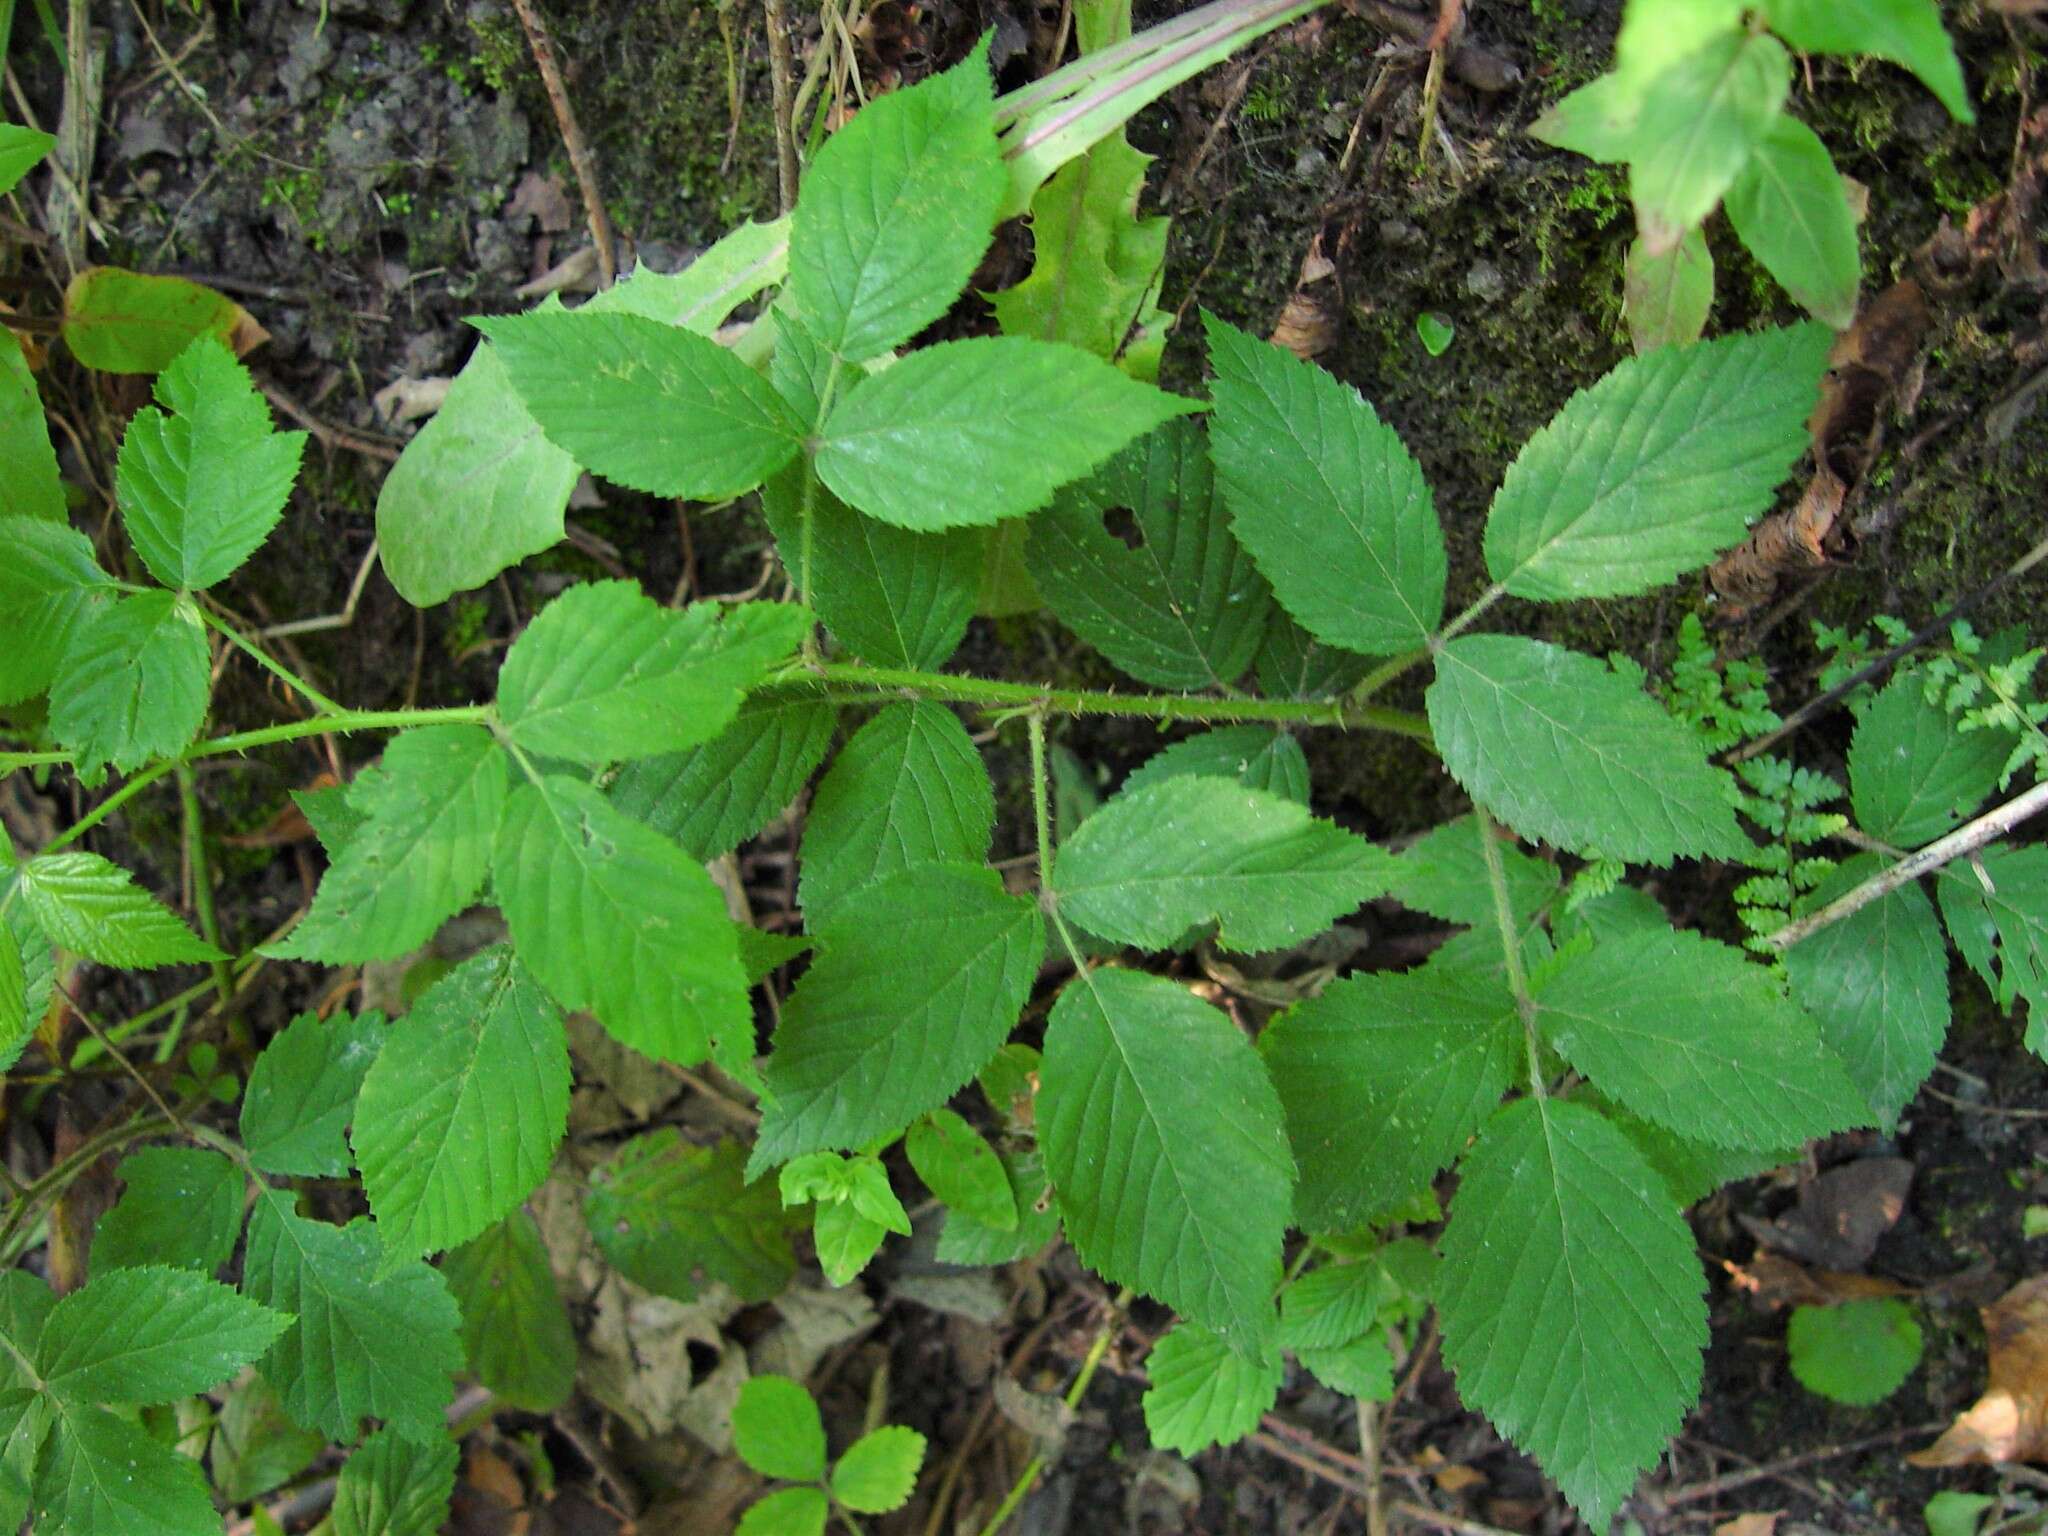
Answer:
(781, 70)
(580, 159)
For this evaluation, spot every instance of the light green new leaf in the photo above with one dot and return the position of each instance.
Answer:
(145, 1335)
(93, 908)
(1571, 1299)
(515, 1329)
(1203, 1392)
(1714, 1050)
(201, 488)
(1656, 468)
(896, 211)
(1858, 1353)
(670, 1216)
(1700, 122)
(790, 1511)
(1163, 1137)
(1665, 298)
(1907, 32)
(613, 917)
(1361, 1368)
(20, 149)
(918, 980)
(2002, 932)
(420, 855)
(605, 673)
(302, 1093)
(1185, 608)
(182, 1206)
(1384, 1077)
(1149, 866)
(1445, 875)
(879, 1470)
(26, 457)
(908, 789)
(1913, 777)
(1257, 756)
(777, 1430)
(368, 1341)
(1325, 496)
(394, 1486)
(461, 1112)
(962, 1169)
(1791, 210)
(971, 432)
(712, 798)
(1598, 120)
(1332, 1304)
(845, 1239)
(1877, 985)
(133, 683)
(1560, 748)
(963, 1240)
(649, 406)
(103, 1474)
(49, 582)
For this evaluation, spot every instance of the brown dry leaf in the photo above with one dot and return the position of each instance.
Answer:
(288, 826)
(2010, 1421)
(1757, 1523)
(544, 198)
(1456, 1479)
(1308, 322)
(1841, 1214)
(1772, 1280)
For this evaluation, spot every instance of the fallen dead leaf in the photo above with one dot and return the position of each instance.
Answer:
(1308, 322)
(1840, 1214)
(1772, 1280)
(404, 399)
(1756, 1523)
(544, 198)
(2010, 1421)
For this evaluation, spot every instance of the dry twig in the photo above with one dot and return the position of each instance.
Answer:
(580, 159)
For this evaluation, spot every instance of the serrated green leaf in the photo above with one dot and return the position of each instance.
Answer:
(1623, 910)
(255, 1445)
(2002, 932)
(1203, 1392)
(1907, 32)
(1858, 1353)
(327, 812)
(777, 1430)
(1913, 776)
(896, 211)
(182, 1206)
(201, 488)
(117, 321)
(133, 683)
(961, 1169)
(714, 797)
(1444, 874)
(26, 457)
(302, 1094)
(1330, 503)
(1331, 1305)
(368, 1341)
(908, 789)
(420, 854)
(845, 1239)
(103, 1474)
(791, 1512)
(1149, 866)
(393, 1486)
(1561, 749)
(1384, 1077)
(49, 583)
(1186, 608)
(1571, 1299)
(1791, 210)
(1362, 1368)
(1163, 1137)
(515, 1328)
(463, 1108)
(144, 1335)
(967, 433)
(613, 917)
(1665, 298)
(25, 1303)
(1700, 123)
(1713, 1051)
(1877, 985)
(20, 149)
(964, 1240)
(14, 1022)
(671, 1216)
(879, 1470)
(94, 908)
(1656, 468)
(1256, 756)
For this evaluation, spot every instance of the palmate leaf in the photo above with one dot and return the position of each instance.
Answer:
(94, 908)
(672, 1217)
(132, 685)
(515, 1328)
(1561, 749)
(393, 1486)
(302, 1093)
(1912, 775)
(146, 1335)
(714, 797)
(1791, 210)
(1656, 468)
(918, 981)
(1571, 1299)
(49, 583)
(1700, 122)
(34, 489)
(1203, 1392)
(1907, 32)
(1164, 1140)
(181, 1206)
(1257, 756)
(1186, 609)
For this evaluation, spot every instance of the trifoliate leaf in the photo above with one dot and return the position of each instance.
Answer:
(671, 1216)
(302, 1093)
(1362, 1367)
(93, 908)
(393, 1486)
(1791, 210)
(777, 1430)
(1907, 32)
(2003, 931)
(1203, 1392)
(144, 1335)
(1444, 874)
(1699, 125)
(1257, 756)
(181, 1206)
(132, 685)
(1913, 776)
(104, 1474)
(961, 1169)
(790, 1512)
(515, 1328)
(1858, 1353)
(49, 583)
(26, 457)
(712, 798)
(878, 1470)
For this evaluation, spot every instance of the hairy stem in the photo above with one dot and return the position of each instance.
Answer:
(269, 663)
(202, 881)
(1510, 944)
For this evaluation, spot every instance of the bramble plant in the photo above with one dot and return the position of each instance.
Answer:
(1587, 1067)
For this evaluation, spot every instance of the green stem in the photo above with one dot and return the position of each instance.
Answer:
(202, 883)
(1028, 1478)
(1479, 605)
(1510, 944)
(9, 761)
(1041, 816)
(1386, 672)
(275, 668)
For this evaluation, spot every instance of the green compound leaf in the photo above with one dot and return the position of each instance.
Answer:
(420, 854)
(369, 1340)
(1444, 874)
(461, 1113)
(791, 1512)
(20, 150)
(1907, 32)
(879, 1470)
(1790, 209)
(1858, 1353)
(1330, 503)
(961, 1169)
(1571, 1299)
(1149, 866)
(671, 1216)
(649, 406)
(515, 1329)
(613, 917)
(1331, 1305)
(605, 673)
(145, 1335)
(393, 1486)
(133, 684)
(1561, 749)
(1713, 1051)
(2002, 932)
(712, 798)
(918, 981)
(182, 1207)
(1257, 756)
(896, 212)
(1699, 124)
(200, 489)
(1186, 608)
(1877, 985)
(1362, 1368)
(26, 457)
(968, 433)
(1205, 1393)
(777, 1430)
(908, 789)
(106, 1475)
(302, 1094)
(1913, 776)
(1384, 1078)
(85, 904)
(964, 1240)
(1163, 1137)
(49, 583)
(1665, 298)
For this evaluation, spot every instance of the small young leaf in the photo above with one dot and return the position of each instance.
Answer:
(394, 1486)
(1665, 298)
(961, 1169)
(182, 1206)
(302, 1094)
(1700, 123)
(1257, 756)
(1203, 1392)
(845, 1240)
(714, 797)
(20, 149)
(1361, 1368)
(2001, 932)
(963, 1240)
(117, 321)
(1331, 1305)
(26, 457)
(879, 1470)
(1444, 874)
(1858, 1353)
(1907, 32)
(670, 1216)
(49, 583)
(1913, 776)
(133, 683)
(515, 1328)
(788, 1512)
(107, 1475)
(1789, 207)
(92, 907)
(144, 1335)
(777, 1430)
